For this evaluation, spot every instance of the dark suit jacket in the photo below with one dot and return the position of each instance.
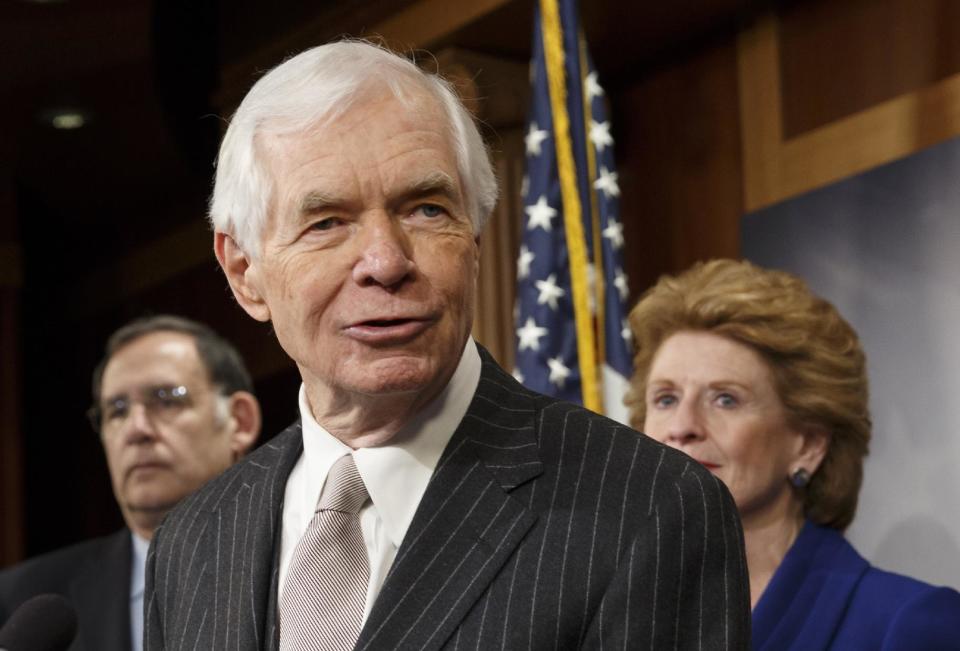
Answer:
(94, 576)
(825, 595)
(543, 526)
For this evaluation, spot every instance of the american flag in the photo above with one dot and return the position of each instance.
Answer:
(573, 339)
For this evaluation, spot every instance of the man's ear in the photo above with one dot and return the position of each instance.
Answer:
(245, 418)
(242, 274)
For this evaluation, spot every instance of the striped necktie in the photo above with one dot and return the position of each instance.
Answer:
(323, 598)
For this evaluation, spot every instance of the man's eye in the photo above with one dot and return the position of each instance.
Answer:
(115, 410)
(325, 224)
(167, 402)
(430, 210)
(168, 398)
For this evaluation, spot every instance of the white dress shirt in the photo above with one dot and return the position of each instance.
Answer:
(395, 474)
(138, 568)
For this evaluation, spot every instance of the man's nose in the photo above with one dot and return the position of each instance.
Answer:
(138, 425)
(686, 425)
(385, 253)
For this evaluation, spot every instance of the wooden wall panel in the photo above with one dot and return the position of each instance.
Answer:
(779, 164)
(678, 149)
(497, 287)
(839, 58)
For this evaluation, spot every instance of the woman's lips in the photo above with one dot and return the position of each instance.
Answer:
(708, 465)
(387, 331)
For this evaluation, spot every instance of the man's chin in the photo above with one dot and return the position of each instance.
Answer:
(392, 386)
(397, 375)
(156, 502)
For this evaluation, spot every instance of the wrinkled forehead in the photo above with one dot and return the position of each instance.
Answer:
(397, 145)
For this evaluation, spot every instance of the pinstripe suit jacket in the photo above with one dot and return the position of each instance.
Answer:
(544, 526)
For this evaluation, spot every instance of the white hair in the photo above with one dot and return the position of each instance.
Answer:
(320, 84)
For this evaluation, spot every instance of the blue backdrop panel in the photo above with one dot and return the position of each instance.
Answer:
(884, 247)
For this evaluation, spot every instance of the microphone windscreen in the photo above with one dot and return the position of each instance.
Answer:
(46, 622)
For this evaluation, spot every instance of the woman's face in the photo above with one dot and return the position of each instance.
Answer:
(715, 399)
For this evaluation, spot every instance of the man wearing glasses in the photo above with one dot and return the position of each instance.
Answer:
(173, 405)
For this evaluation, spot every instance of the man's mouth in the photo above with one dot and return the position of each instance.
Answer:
(387, 331)
(386, 323)
(143, 466)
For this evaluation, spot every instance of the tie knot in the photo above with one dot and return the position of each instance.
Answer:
(344, 490)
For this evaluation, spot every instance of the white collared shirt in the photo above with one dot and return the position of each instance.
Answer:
(396, 474)
(138, 568)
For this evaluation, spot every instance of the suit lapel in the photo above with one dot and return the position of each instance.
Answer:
(243, 530)
(466, 526)
(101, 595)
(272, 637)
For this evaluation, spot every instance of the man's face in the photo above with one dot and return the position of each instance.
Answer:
(369, 258)
(161, 442)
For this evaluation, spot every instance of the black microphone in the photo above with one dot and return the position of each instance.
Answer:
(46, 622)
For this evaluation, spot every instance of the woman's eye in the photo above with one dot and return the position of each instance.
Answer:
(664, 400)
(727, 400)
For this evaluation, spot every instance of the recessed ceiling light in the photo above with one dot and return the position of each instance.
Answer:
(68, 121)
(65, 118)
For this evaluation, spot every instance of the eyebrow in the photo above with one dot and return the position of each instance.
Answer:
(125, 394)
(714, 385)
(317, 200)
(730, 384)
(121, 395)
(434, 183)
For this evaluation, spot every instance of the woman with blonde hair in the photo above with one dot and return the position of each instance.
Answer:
(765, 384)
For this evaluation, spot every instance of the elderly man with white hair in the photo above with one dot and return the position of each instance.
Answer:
(424, 499)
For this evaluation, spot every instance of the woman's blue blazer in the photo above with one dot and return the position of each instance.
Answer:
(825, 595)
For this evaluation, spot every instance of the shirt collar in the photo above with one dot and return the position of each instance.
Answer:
(396, 474)
(138, 563)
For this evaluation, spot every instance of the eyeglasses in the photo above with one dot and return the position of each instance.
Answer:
(161, 402)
